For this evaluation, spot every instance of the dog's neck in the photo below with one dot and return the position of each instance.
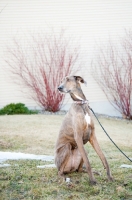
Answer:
(80, 99)
(77, 95)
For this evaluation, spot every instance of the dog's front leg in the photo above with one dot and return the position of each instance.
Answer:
(94, 143)
(79, 142)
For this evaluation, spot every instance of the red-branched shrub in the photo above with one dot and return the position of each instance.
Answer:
(112, 70)
(41, 65)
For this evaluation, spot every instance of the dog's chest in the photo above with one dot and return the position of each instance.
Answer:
(88, 118)
(86, 135)
(87, 130)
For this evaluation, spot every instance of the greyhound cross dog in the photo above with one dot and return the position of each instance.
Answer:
(76, 130)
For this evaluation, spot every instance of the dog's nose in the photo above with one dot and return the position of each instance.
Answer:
(60, 88)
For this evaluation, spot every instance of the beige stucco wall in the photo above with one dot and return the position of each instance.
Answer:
(92, 21)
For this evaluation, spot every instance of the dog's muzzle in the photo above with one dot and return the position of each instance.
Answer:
(63, 89)
(60, 88)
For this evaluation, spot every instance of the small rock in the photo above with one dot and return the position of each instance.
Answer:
(68, 180)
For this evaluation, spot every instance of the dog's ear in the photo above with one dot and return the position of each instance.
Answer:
(80, 79)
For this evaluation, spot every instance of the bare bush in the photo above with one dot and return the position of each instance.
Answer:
(112, 70)
(41, 65)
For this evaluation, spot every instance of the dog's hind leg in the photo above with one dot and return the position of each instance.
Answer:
(76, 160)
(93, 141)
(73, 162)
(80, 167)
(62, 158)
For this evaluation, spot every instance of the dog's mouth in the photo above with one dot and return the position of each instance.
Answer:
(68, 91)
(62, 91)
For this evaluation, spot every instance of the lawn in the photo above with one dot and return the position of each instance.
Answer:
(37, 134)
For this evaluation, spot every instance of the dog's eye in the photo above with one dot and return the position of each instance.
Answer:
(68, 79)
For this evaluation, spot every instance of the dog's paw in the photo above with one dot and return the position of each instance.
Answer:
(110, 178)
(93, 182)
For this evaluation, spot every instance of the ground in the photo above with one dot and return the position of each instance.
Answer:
(37, 134)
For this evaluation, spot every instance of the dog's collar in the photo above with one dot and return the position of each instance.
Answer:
(81, 102)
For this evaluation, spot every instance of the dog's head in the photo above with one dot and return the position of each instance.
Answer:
(69, 83)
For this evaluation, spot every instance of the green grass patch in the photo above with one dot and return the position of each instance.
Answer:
(23, 180)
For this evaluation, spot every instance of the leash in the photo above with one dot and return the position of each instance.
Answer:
(86, 102)
(108, 135)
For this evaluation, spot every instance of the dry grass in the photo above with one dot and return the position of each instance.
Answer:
(30, 133)
(38, 133)
(119, 130)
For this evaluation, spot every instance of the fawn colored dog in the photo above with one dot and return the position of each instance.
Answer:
(77, 129)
